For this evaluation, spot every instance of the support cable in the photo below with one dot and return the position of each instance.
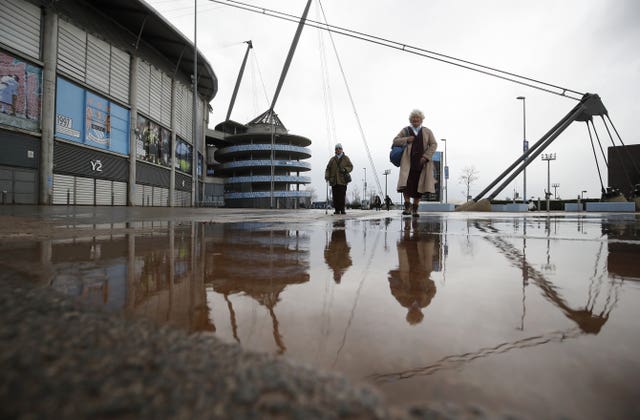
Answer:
(469, 65)
(595, 157)
(331, 136)
(353, 106)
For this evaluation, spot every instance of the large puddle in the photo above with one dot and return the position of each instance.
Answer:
(528, 315)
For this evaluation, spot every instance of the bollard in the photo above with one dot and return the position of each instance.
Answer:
(68, 196)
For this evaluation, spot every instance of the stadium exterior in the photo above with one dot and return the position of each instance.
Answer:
(262, 164)
(96, 106)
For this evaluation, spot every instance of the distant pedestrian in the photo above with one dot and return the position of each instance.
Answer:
(377, 203)
(416, 166)
(387, 202)
(338, 175)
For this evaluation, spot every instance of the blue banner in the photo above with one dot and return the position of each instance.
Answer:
(86, 118)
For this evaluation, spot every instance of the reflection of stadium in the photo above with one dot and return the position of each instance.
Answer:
(262, 164)
(259, 264)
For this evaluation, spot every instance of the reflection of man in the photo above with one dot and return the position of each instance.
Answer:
(410, 283)
(8, 93)
(336, 253)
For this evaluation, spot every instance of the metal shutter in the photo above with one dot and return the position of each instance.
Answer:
(165, 117)
(72, 49)
(119, 193)
(103, 192)
(179, 109)
(142, 95)
(119, 75)
(139, 194)
(63, 189)
(155, 94)
(25, 186)
(85, 191)
(20, 26)
(98, 63)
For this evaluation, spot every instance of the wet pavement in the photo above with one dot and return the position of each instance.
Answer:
(533, 315)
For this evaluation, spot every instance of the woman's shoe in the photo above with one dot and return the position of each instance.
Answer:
(415, 211)
(406, 211)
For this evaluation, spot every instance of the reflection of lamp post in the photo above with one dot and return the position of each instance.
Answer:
(446, 174)
(365, 184)
(525, 147)
(555, 186)
(548, 157)
(386, 176)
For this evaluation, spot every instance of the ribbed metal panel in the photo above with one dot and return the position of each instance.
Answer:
(78, 160)
(85, 191)
(181, 199)
(98, 63)
(104, 189)
(20, 26)
(183, 182)
(152, 175)
(119, 75)
(139, 195)
(187, 112)
(63, 188)
(155, 94)
(142, 97)
(179, 109)
(72, 49)
(159, 196)
(165, 118)
(119, 193)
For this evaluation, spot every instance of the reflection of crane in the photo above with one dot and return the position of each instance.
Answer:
(457, 360)
(585, 318)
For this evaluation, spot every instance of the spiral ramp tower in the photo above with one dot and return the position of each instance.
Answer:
(262, 164)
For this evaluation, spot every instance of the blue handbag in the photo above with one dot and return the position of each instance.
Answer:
(395, 155)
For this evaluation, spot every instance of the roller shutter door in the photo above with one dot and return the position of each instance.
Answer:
(20, 23)
(103, 192)
(139, 195)
(63, 189)
(25, 186)
(119, 193)
(85, 191)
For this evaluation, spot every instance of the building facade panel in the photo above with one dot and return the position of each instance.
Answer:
(20, 24)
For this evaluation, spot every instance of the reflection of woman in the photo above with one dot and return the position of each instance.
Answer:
(410, 283)
(336, 253)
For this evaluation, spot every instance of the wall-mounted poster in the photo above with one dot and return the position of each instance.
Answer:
(87, 118)
(153, 142)
(20, 93)
(184, 156)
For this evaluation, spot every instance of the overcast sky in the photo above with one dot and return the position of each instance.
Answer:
(585, 45)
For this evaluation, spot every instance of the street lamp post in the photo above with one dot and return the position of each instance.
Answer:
(446, 174)
(525, 147)
(386, 176)
(555, 186)
(548, 157)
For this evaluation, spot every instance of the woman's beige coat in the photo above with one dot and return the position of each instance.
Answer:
(427, 180)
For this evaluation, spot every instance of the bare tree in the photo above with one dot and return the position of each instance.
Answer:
(467, 178)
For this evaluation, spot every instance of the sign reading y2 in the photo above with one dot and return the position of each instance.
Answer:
(96, 165)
